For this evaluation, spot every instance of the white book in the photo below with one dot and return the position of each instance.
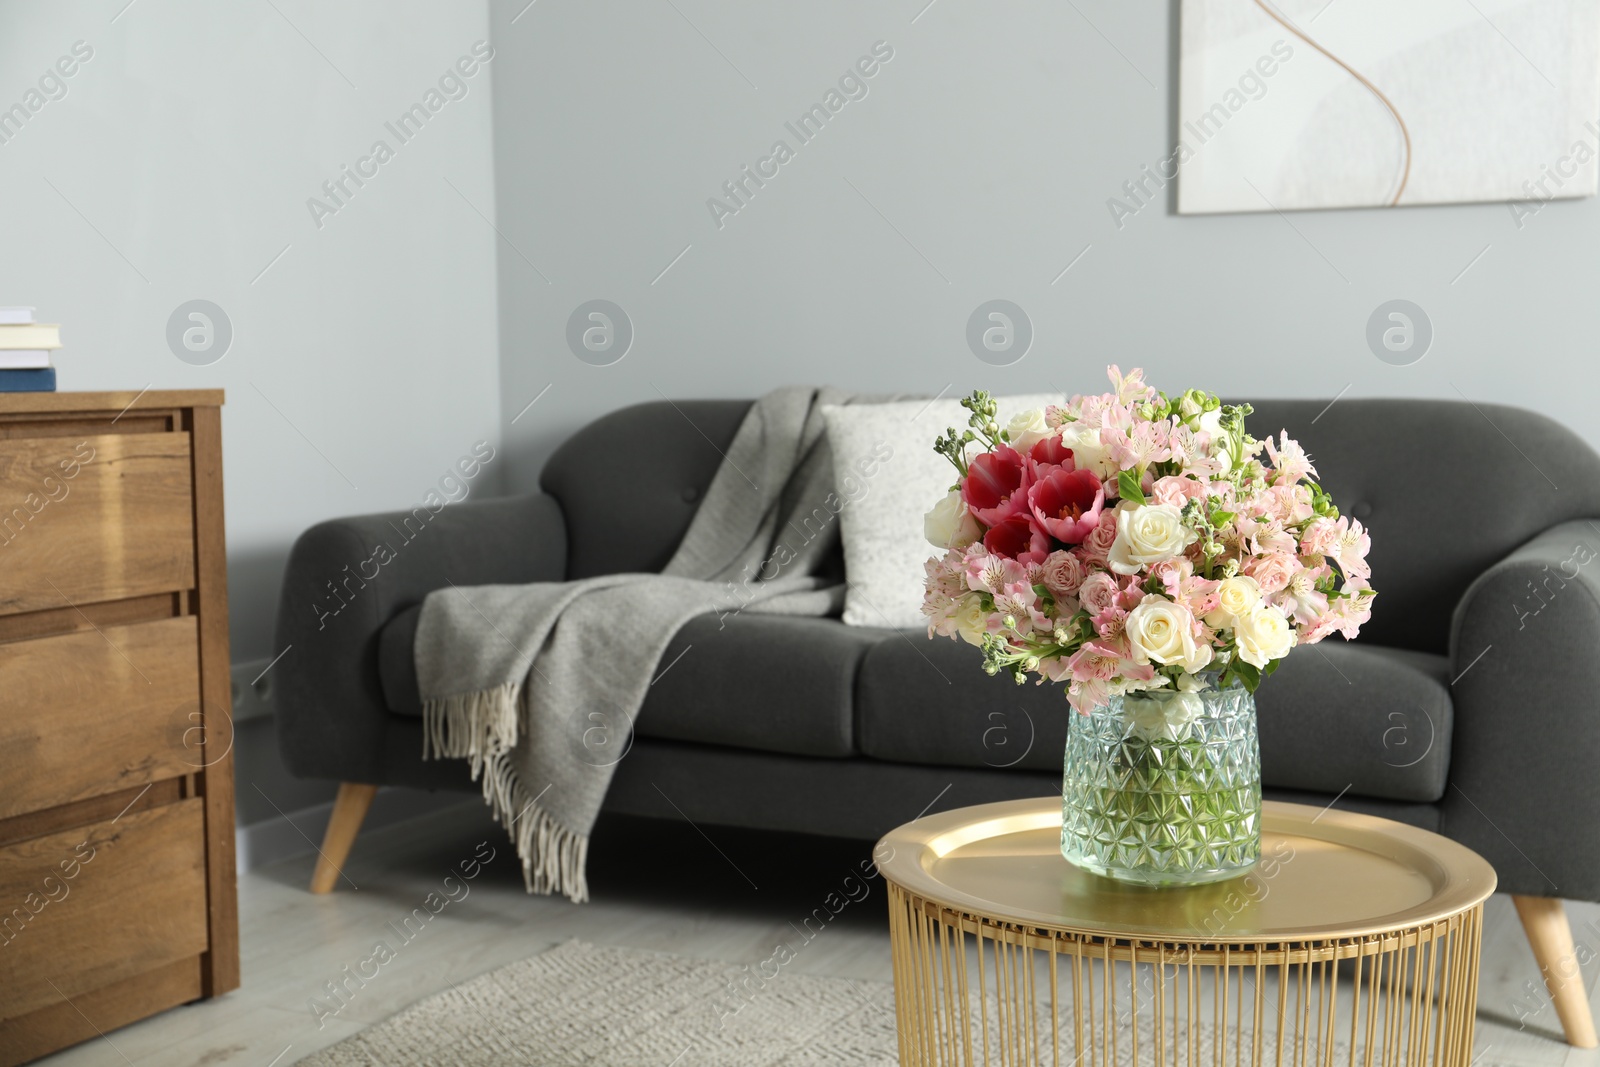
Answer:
(15, 316)
(24, 358)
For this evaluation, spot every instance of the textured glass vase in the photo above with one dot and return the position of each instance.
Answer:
(1164, 788)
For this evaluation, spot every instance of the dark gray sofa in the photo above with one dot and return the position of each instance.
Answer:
(1470, 705)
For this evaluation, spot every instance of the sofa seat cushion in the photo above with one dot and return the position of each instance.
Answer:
(775, 683)
(1374, 721)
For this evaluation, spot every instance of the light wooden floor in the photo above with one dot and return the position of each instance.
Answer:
(656, 886)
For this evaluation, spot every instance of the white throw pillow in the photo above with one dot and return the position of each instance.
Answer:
(886, 471)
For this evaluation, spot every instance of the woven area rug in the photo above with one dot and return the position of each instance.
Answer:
(608, 1007)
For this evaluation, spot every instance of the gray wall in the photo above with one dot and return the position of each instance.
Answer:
(989, 146)
(182, 154)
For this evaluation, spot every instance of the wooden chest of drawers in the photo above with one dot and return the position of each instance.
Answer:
(117, 895)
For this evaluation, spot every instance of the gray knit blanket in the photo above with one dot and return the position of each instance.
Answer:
(515, 678)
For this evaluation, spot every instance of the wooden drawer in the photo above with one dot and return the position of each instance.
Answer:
(85, 908)
(92, 712)
(94, 518)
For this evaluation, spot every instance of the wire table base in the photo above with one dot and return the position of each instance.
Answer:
(973, 991)
(1213, 983)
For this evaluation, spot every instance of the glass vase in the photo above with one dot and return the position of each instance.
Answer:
(1164, 788)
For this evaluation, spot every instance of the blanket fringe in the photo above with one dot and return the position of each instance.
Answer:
(473, 726)
(482, 728)
(553, 857)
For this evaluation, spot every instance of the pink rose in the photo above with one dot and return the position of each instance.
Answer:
(1177, 491)
(995, 485)
(1272, 572)
(1063, 574)
(1319, 538)
(1067, 503)
(1098, 592)
(1098, 544)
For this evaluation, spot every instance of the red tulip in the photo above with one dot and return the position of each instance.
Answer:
(995, 485)
(1067, 504)
(1051, 450)
(1018, 538)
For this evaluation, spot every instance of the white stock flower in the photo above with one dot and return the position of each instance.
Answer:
(1161, 631)
(1026, 429)
(950, 524)
(1221, 443)
(1147, 534)
(1236, 598)
(1263, 635)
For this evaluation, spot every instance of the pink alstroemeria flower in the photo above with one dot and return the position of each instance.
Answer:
(996, 484)
(1067, 504)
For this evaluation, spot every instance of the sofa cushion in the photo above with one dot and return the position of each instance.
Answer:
(1336, 716)
(776, 683)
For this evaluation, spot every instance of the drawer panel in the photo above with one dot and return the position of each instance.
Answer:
(94, 518)
(93, 712)
(88, 907)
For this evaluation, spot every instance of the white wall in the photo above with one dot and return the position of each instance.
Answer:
(991, 142)
(364, 360)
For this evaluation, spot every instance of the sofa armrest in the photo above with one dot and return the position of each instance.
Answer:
(1525, 659)
(347, 578)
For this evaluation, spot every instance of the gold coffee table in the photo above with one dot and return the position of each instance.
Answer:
(1354, 941)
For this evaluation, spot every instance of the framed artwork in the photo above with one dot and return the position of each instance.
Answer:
(1300, 104)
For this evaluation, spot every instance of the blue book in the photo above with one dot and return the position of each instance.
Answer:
(42, 380)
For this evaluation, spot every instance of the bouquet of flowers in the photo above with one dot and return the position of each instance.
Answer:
(1134, 541)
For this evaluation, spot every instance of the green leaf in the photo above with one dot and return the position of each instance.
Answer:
(1247, 673)
(1128, 487)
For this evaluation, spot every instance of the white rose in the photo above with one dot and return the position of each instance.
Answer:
(1262, 636)
(951, 523)
(1026, 429)
(1087, 451)
(971, 620)
(1161, 631)
(1146, 534)
(1236, 598)
(1221, 442)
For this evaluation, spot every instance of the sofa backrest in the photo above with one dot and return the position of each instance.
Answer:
(629, 482)
(1447, 489)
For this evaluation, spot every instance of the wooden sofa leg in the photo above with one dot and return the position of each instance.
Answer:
(349, 809)
(1544, 919)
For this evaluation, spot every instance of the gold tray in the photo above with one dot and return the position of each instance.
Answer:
(1324, 874)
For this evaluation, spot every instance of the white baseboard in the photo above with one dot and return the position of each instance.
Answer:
(300, 832)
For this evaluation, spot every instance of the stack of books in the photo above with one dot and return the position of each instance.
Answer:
(25, 347)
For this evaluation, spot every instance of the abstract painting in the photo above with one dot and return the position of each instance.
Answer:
(1298, 104)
